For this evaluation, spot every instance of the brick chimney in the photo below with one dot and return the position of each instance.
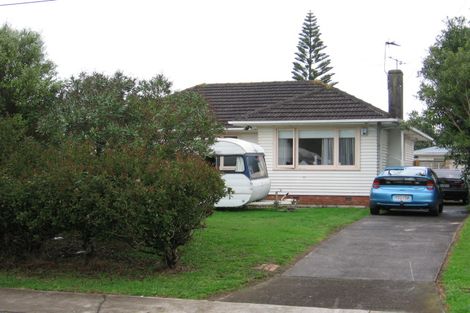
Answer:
(395, 93)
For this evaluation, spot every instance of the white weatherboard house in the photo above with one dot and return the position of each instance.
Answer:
(321, 145)
(435, 157)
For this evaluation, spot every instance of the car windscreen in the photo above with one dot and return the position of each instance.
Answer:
(403, 181)
(448, 174)
(407, 171)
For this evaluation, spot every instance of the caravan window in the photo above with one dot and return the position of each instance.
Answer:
(256, 166)
(231, 163)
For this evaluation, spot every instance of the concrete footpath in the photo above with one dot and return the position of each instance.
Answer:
(27, 301)
(388, 263)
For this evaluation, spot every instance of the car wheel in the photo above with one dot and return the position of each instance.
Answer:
(441, 207)
(434, 211)
(374, 210)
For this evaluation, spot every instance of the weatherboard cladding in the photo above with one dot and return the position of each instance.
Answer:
(322, 182)
(289, 100)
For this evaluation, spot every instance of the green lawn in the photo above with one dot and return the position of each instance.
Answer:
(456, 276)
(221, 258)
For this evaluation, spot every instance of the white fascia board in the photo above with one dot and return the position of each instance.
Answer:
(312, 122)
(240, 129)
(419, 133)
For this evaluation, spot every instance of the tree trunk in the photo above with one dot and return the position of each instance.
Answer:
(171, 257)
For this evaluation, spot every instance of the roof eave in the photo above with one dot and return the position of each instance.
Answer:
(420, 136)
(312, 122)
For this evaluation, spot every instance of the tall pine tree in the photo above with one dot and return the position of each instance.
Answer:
(310, 62)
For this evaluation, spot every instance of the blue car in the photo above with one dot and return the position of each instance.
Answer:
(406, 187)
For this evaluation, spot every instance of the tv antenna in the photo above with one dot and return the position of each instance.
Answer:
(24, 2)
(397, 62)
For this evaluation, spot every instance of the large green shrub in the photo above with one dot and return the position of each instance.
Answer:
(12, 133)
(29, 199)
(125, 194)
(12, 233)
(179, 195)
(33, 182)
(98, 157)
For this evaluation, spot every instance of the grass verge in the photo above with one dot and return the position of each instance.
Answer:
(222, 257)
(456, 276)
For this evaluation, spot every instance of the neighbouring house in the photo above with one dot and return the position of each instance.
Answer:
(322, 145)
(434, 157)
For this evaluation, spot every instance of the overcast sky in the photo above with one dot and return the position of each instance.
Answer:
(203, 41)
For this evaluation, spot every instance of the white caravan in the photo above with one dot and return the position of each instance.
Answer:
(244, 171)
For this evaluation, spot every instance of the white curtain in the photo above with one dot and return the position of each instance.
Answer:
(346, 151)
(327, 151)
(285, 152)
(347, 146)
(240, 166)
(285, 147)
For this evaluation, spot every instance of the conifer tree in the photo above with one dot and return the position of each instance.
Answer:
(311, 63)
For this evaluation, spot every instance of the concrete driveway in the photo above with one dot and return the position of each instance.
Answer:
(387, 262)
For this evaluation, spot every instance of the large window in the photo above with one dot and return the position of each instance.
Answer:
(317, 148)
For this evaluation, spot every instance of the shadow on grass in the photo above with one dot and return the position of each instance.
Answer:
(66, 257)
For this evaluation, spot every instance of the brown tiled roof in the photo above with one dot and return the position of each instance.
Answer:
(289, 100)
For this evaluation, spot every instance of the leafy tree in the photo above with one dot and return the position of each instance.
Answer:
(27, 78)
(118, 110)
(311, 62)
(420, 122)
(181, 123)
(123, 159)
(94, 107)
(155, 88)
(445, 89)
(106, 110)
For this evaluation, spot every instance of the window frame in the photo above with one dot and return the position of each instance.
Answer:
(229, 168)
(310, 166)
(335, 166)
(357, 138)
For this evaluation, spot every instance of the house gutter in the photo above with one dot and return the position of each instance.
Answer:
(310, 122)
